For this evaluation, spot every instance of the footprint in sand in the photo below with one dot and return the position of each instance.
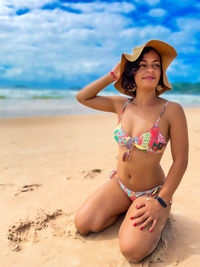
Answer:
(45, 224)
(19, 233)
(69, 178)
(92, 173)
(26, 231)
(27, 188)
(87, 174)
(2, 186)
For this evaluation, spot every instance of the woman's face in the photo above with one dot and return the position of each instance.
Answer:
(149, 71)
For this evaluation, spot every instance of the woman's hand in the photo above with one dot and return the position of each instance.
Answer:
(116, 70)
(149, 212)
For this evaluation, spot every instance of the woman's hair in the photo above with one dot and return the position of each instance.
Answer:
(128, 81)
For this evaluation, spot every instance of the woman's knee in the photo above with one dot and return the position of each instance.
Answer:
(133, 252)
(86, 223)
(81, 223)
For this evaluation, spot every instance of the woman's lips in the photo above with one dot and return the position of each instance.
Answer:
(149, 78)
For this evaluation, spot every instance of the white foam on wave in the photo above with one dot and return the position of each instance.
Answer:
(50, 102)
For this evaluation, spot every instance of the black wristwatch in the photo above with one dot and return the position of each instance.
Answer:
(161, 201)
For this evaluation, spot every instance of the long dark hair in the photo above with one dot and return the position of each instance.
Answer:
(128, 80)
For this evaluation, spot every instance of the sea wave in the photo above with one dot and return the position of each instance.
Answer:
(48, 102)
(36, 93)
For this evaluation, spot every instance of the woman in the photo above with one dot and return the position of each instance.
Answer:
(146, 123)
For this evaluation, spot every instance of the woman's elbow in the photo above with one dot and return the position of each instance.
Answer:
(182, 161)
(79, 98)
(185, 163)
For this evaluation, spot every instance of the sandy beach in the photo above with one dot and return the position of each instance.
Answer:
(49, 165)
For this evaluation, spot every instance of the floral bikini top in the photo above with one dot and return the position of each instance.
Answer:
(151, 140)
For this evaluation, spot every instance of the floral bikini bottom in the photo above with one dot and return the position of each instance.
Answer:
(133, 195)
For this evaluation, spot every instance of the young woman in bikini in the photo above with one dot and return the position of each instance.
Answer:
(146, 122)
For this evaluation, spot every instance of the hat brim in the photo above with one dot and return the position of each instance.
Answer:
(167, 53)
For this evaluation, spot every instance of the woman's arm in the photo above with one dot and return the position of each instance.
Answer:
(88, 95)
(179, 150)
(150, 212)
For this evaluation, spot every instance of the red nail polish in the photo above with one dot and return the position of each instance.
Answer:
(135, 224)
(141, 228)
(131, 218)
(151, 230)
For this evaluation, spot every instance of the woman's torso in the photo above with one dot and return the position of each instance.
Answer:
(149, 131)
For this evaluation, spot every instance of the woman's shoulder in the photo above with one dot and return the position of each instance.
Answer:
(172, 105)
(174, 111)
(175, 106)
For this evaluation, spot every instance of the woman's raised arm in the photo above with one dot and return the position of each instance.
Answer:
(88, 96)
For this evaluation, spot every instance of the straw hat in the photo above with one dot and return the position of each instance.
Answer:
(167, 53)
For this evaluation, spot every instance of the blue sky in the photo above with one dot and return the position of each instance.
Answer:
(61, 44)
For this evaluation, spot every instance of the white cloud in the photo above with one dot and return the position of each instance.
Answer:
(4, 10)
(189, 24)
(185, 39)
(157, 12)
(31, 4)
(54, 44)
(184, 71)
(146, 33)
(114, 7)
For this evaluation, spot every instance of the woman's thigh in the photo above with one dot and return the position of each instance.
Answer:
(102, 207)
(134, 243)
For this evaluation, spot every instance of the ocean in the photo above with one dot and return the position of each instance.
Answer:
(25, 102)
